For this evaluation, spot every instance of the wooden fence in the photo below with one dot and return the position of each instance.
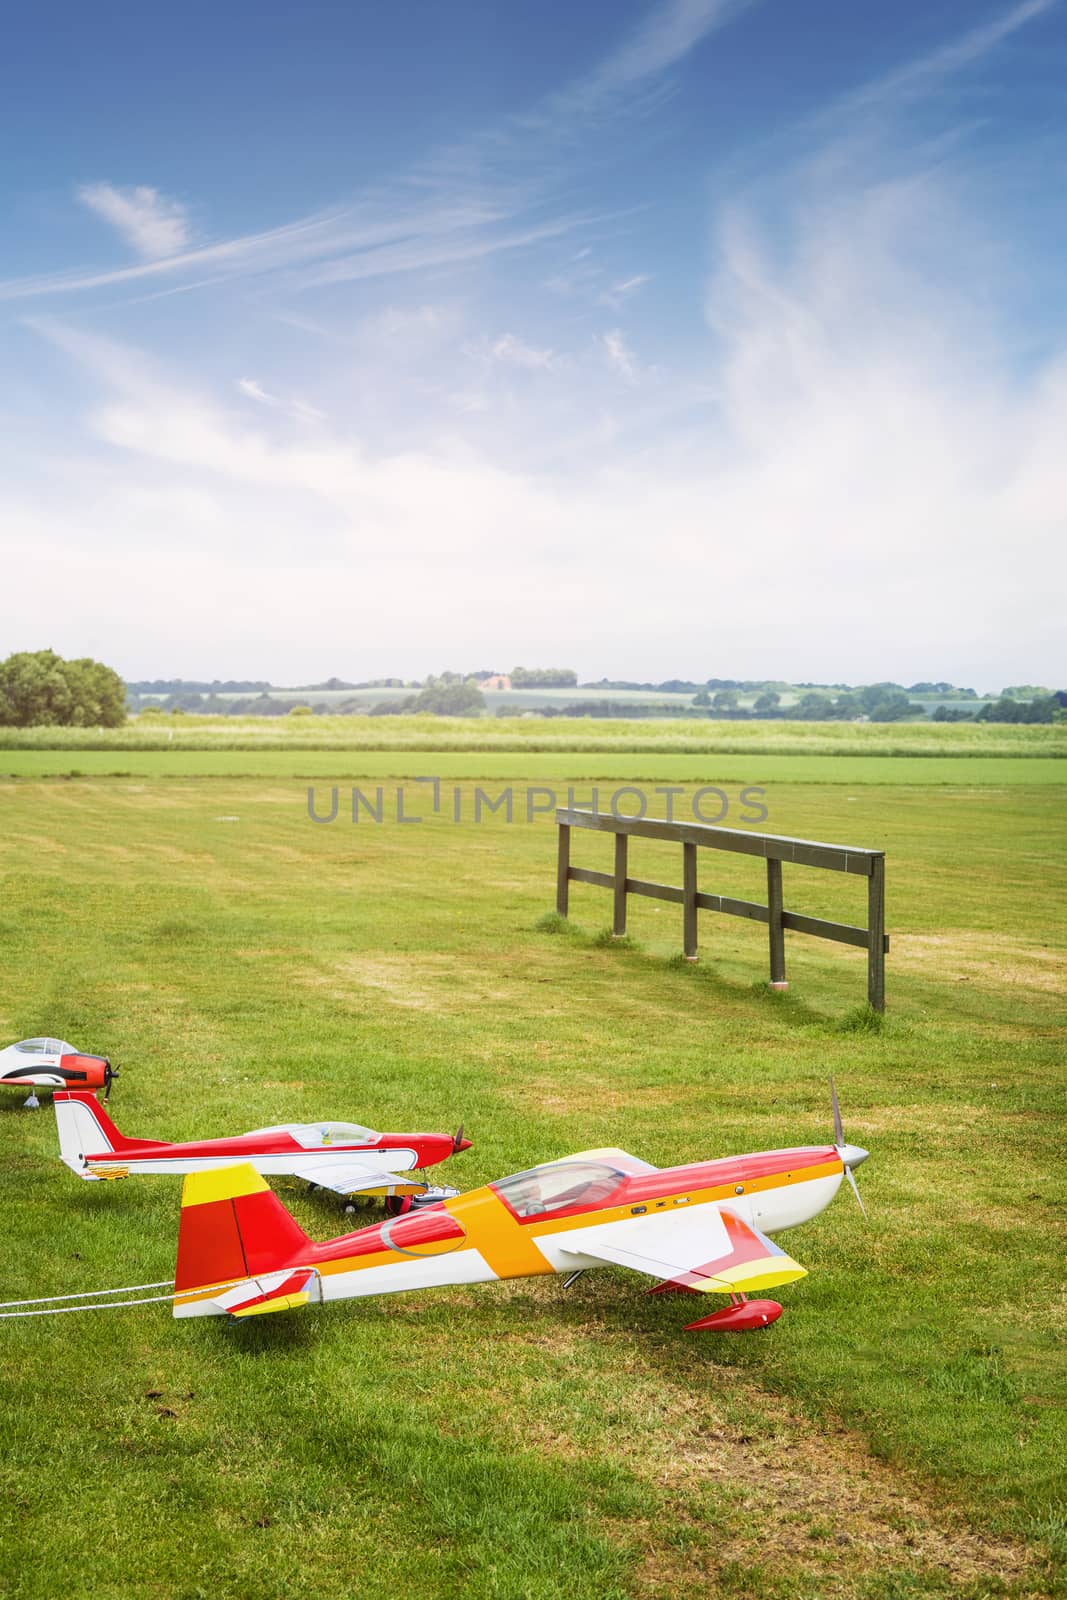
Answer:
(775, 850)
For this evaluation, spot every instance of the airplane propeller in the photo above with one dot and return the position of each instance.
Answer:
(852, 1155)
(110, 1074)
(457, 1140)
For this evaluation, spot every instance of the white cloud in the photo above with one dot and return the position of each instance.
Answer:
(620, 356)
(926, 72)
(375, 239)
(670, 32)
(154, 225)
(619, 292)
(255, 391)
(516, 353)
(849, 472)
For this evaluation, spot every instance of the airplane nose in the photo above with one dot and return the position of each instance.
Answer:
(852, 1155)
(464, 1144)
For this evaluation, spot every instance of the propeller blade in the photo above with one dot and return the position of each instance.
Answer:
(110, 1074)
(457, 1139)
(839, 1132)
(849, 1174)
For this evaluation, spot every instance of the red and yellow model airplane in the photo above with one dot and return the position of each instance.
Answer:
(342, 1156)
(703, 1227)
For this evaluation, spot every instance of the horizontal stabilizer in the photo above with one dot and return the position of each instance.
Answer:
(292, 1292)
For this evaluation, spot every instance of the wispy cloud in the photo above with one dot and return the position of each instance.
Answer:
(852, 412)
(927, 72)
(670, 32)
(620, 356)
(516, 352)
(380, 237)
(252, 390)
(276, 247)
(152, 224)
(255, 391)
(619, 292)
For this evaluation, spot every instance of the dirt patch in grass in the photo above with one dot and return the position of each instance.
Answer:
(813, 1499)
(433, 981)
(36, 841)
(992, 960)
(403, 980)
(748, 1483)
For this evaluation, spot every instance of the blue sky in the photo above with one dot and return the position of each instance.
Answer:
(698, 337)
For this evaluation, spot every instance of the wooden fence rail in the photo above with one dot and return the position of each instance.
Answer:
(773, 848)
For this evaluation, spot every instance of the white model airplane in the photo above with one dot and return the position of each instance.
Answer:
(52, 1064)
(341, 1156)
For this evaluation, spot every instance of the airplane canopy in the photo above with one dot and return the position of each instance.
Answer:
(557, 1186)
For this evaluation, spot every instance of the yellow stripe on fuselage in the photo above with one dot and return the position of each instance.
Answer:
(509, 1247)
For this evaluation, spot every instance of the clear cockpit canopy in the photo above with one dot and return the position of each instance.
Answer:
(312, 1135)
(559, 1185)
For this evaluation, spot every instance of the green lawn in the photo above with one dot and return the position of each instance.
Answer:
(338, 765)
(900, 1432)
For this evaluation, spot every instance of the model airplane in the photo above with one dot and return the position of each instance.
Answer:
(52, 1064)
(341, 1156)
(702, 1228)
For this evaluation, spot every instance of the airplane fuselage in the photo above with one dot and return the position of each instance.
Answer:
(528, 1225)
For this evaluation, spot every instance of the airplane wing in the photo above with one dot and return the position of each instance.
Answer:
(711, 1251)
(352, 1176)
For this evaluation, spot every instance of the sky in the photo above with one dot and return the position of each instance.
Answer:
(652, 338)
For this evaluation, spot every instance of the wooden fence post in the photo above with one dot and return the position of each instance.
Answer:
(774, 923)
(563, 867)
(876, 934)
(619, 924)
(689, 900)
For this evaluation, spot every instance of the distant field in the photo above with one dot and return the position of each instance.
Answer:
(157, 731)
(338, 764)
(525, 699)
(900, 1434)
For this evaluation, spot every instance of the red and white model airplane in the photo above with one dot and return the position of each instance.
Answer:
(52, 1064)
(341, 1156)
(703, 1228)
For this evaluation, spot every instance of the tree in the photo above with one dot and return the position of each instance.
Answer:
(952, 714)
(893, 708)
(543, 677)
(449, 700)
(725, 700)
(702, 698)
(1044, 709)
(40, 689)
(769, 700)
(813, 707)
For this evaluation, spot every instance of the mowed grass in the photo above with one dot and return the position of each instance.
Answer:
(900, 1431)
(557, 768)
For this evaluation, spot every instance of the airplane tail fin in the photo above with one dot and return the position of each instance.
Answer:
(234, 1229)
(85, 1129)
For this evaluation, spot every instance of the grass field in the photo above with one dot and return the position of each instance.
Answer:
(560, 735)
(521, 767)
(900, 1433)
